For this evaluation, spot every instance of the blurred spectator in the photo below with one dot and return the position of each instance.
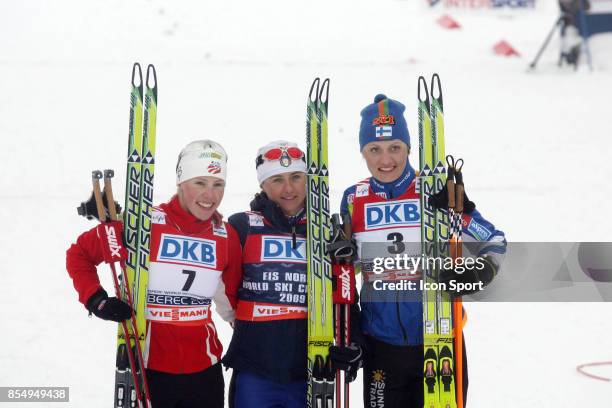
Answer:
(570, 9)
(570, 36)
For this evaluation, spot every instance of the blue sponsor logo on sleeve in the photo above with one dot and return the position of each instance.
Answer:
(478, 230)
(281, 249)
(193, 251)
(392, 214)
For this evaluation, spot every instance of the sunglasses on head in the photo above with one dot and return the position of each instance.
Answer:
(277, 153)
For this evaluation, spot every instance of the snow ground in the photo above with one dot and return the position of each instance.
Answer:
(536, 147)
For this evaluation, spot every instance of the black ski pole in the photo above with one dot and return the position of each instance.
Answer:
(545, 44)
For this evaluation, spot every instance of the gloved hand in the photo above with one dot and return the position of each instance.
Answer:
(440, 201)
(347, 358)
(342, 248)
(468, 279)
(108, 308)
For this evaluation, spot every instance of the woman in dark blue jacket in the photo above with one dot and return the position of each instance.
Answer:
(268, 348)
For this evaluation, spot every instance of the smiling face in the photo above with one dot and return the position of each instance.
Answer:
(386, 160)
(288, 190)
(201, 196)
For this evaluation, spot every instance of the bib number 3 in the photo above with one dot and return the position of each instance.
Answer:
(398, 245)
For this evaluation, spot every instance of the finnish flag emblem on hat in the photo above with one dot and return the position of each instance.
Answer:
(384, 132)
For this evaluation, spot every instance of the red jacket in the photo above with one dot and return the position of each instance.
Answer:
(181, 336)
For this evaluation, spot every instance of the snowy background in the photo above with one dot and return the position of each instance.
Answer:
(536, 145)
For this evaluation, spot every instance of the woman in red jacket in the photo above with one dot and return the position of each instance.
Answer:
(183, 352)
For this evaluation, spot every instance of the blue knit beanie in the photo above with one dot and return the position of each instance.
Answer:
(383, 120)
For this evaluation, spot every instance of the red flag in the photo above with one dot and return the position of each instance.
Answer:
(448, 22)
(504, 48)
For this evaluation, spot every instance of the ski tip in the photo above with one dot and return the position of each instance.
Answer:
(324, 92)
(151, 77)
(314, 90)
(136, 75)
(436, 85)
(423, 92)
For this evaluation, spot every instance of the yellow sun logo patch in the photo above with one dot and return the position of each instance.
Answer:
(378, 376)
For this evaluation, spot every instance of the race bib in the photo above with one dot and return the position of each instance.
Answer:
(182, 280)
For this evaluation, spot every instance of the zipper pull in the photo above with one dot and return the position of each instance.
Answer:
(294, 239)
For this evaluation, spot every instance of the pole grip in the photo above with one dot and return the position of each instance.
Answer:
(450, 186)
(459, 198)
(96, 175)
(108, 190)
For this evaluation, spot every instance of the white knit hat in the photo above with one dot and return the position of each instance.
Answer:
(201, 158)
(284, 164)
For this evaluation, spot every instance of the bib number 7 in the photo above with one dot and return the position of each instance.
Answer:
(190, 278)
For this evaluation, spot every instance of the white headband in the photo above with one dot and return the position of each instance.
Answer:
(201, 158)
(267, 168)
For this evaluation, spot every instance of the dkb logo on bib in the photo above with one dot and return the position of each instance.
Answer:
(192, 251)
(392, 214)
(281, 249)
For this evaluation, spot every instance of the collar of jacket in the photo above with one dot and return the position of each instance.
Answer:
(274, 215)
(184, 221)
(397, 187)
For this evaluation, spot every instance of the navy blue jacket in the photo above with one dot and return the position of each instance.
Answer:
(274, 349)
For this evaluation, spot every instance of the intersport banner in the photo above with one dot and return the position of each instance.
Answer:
(481, 4)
